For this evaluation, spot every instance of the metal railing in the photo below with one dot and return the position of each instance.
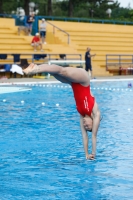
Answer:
(119, 60)
(28, 57)
(76, 19)
(54, 27)
(67, 56)
(89, 20)
(33, 57)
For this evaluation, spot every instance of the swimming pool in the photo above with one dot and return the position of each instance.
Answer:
(41, 151)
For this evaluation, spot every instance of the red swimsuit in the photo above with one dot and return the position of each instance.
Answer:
(83, 98)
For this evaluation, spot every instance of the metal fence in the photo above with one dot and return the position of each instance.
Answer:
(123, 63)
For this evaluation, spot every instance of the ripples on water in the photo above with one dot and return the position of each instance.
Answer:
(41, 147)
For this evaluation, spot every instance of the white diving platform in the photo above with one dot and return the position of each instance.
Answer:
(66, 62)
(4, 90)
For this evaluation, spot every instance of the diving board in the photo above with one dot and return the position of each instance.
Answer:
(66, 62)
(4, 90)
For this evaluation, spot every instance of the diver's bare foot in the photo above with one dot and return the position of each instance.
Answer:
(31, 69)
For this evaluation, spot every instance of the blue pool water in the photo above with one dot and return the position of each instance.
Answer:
(41, 151)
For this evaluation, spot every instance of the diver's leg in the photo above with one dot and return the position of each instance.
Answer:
(71, 74)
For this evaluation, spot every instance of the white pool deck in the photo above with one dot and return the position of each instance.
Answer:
(18, 81)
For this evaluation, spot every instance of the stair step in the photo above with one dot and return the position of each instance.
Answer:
(109, 49)
(97, 34)
(106, 44)
(9, 31)
(89, 39)
(13, 42)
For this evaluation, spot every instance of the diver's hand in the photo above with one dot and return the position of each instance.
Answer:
(90, 156)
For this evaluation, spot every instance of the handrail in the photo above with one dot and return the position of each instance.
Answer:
(117, 60)
(68, 40)
(48, 56)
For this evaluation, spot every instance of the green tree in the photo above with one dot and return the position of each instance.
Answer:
(122, 14)
(26, 6)
(72, 4)
(71, 8)
(100, 7)
(131, 14)
(1, 6)
(49, 7)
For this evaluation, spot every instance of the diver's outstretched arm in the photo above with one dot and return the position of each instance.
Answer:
(96, 122)
(85, 140)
